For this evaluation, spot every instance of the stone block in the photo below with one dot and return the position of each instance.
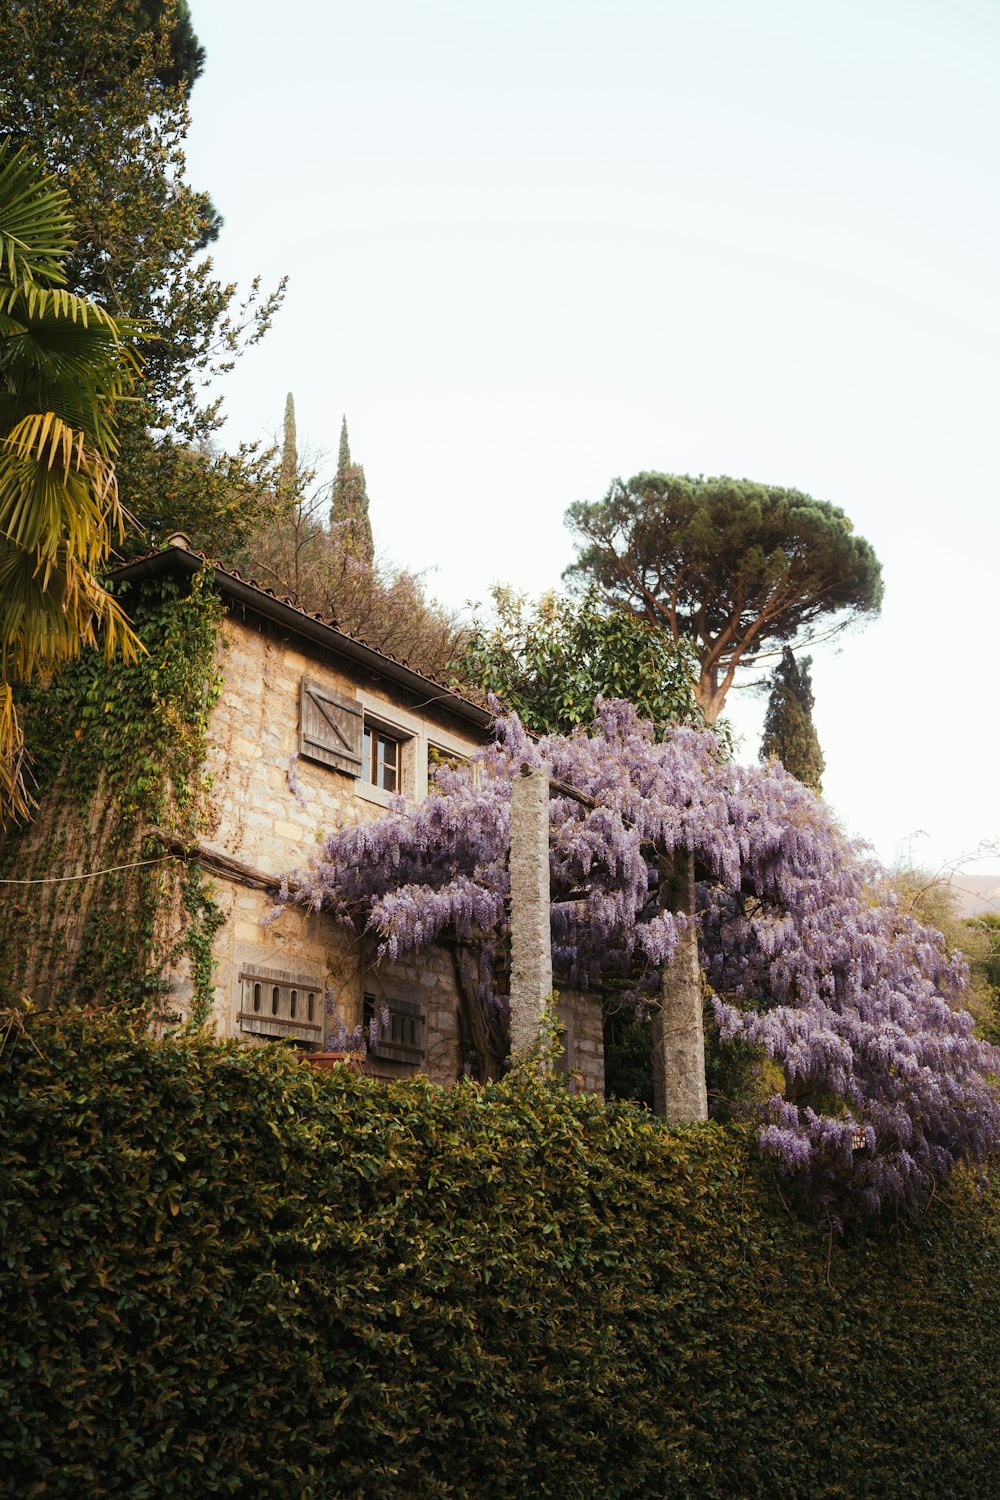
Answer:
(294, 833)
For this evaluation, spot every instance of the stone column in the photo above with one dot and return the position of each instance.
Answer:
(530, 923)
(679, 1090)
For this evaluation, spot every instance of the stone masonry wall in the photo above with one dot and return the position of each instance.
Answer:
(431, 975)
(269, 808)
(583, 1039)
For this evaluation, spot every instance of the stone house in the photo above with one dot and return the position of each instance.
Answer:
(314, 728)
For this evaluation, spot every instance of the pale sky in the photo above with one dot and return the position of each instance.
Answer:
(533, 246)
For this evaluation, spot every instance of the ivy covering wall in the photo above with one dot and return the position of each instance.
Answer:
(115, 749)
(227, 1274)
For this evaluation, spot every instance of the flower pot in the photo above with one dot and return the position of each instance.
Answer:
(352, 1060)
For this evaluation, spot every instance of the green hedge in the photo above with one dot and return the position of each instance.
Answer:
(225, 1274)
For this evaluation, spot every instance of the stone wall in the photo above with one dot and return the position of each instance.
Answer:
(254, 812)
(430, 977)
(269, 807)
(581, 1018)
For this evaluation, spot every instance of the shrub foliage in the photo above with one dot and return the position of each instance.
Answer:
(224, 1274)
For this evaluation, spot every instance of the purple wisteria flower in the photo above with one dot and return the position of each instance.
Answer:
(803, 942)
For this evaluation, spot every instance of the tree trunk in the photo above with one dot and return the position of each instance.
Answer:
(679, 1090)
(709, 697)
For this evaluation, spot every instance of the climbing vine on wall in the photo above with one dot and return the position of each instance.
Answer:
(117, 749)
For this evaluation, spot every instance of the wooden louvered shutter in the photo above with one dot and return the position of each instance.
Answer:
(330, 728)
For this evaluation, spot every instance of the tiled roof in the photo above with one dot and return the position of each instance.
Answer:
(178, 552)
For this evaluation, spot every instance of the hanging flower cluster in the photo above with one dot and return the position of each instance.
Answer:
(803, 942)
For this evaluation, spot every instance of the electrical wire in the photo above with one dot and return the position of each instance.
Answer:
(87, 874)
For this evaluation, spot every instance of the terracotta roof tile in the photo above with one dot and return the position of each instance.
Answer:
(180, 542)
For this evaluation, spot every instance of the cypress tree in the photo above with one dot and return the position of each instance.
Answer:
(349, 502)
(343, 462)
(289, 452)
(789, 732)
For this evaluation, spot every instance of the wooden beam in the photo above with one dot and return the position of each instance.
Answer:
(563, 789)
(214, 860)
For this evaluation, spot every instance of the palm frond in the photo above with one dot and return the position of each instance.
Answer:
(64, 363)
(16, 803)
(57, 492)
(50, 610)
(35, 233)
(78, 364)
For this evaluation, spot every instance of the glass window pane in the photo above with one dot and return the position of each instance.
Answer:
(388, 754)
(381, 766)
(380, 759)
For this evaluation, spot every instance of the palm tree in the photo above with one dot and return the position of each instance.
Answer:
(64, 362)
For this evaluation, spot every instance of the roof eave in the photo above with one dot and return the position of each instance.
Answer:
(289, 618)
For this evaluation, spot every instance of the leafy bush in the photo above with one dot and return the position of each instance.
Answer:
(227, 1274)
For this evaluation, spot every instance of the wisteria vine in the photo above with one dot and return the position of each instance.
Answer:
(803, 941)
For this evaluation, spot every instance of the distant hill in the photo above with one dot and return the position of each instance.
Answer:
(975, 894)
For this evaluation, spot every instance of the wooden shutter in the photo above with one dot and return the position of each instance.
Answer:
(278, 1004)
(402, 1039)
(330, 728)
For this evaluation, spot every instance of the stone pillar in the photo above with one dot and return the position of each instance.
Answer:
(679, 1090)
(530, 923)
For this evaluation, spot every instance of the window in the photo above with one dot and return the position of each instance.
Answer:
(386, 748)
(336, 731)
(381, 759)
(398, 1029)
(439, 758)
(278, 1004)
(390, 760)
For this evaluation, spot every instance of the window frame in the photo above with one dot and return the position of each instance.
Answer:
(373, 737)
(409, 734)
(455, 758)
